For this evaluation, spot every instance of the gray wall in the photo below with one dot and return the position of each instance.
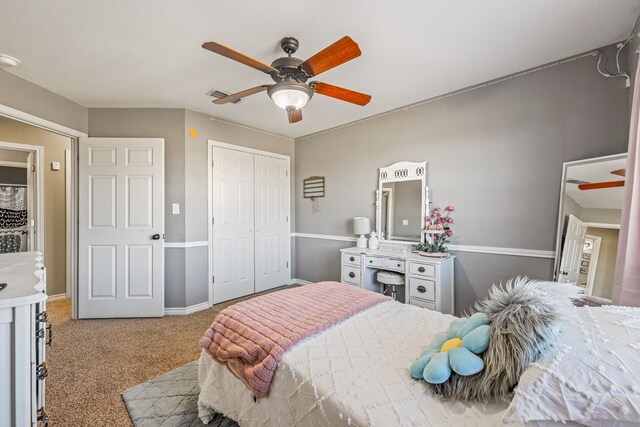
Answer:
(186, 169)
(27, 97)
(495, 153)
(607, 216)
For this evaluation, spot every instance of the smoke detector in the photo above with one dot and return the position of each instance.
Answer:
(8, 61)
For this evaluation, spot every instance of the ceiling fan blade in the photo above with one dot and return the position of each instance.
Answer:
(223, 50)
(242, 94)
(598, 185)
(294, 115)
(619, 172)
(343, 94)
(338, 53)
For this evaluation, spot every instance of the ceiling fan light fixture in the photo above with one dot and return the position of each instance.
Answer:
(290, 95)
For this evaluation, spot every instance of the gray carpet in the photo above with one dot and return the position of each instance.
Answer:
(170, 400)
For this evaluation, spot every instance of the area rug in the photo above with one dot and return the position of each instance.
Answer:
(170, 400)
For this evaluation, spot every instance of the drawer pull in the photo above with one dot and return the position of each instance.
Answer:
(421, 269)
(41, 371)
(370, 261)
(352, 274)
(352, 259)
(398, 265)
(422, 289)
(50, 334)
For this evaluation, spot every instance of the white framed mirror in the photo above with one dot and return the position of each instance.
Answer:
(402, 202)
(591, 196)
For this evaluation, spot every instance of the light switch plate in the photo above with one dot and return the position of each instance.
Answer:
(405, 222)
(175, 208)
(55, 166)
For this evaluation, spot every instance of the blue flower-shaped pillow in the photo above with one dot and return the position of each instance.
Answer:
(456, 350)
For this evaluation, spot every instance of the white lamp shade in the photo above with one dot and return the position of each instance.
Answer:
(361, 225)
(290, 98)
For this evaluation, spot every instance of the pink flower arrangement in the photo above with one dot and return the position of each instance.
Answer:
(437, 230)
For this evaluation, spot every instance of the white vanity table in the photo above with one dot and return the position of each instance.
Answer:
(428, 281)
(402, 203)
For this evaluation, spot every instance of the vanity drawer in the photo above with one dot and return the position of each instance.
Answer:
(422, 288)
(422, 303)
(351, 259)
(351, 275)
(373, 262)
(427, 270)
(393, 264)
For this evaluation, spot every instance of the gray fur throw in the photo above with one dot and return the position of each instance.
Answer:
(526, 318)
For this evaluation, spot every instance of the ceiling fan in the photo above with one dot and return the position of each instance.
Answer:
(291, 91)
(605, 184)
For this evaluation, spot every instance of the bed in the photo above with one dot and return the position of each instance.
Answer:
(354, 374)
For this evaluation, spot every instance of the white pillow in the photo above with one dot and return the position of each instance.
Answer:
(593, 376)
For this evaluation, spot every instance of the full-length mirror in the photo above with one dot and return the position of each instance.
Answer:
(589, 223)
(402, 202)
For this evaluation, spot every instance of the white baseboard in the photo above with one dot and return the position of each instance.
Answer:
(57, 297)
(300, 282)
(182, 311)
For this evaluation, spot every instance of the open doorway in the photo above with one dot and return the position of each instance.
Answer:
(17, 207)
(34, 192)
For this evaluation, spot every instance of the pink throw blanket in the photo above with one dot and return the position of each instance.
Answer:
(251, 337)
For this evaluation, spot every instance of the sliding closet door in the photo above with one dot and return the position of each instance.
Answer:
(233, 219)
(272, 222)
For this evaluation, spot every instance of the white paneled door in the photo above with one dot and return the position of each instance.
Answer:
(572, 250)
(233, 224)
(121, 226)
(272, 222)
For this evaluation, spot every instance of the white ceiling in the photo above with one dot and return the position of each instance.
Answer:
(146, 53)
(603, 198)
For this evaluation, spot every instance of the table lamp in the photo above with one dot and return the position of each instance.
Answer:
(361, 227)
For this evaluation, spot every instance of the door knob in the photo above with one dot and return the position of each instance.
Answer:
(155, 237)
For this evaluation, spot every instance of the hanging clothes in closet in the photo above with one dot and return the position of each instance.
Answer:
(13, 218)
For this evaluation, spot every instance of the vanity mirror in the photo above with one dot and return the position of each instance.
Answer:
(402, 202)
(589, 223)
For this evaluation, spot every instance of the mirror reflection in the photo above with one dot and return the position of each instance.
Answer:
(589, 221)
(401, 210)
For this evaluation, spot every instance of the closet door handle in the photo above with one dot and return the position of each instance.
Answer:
(352, 274)
(421, 269)
(422, 289)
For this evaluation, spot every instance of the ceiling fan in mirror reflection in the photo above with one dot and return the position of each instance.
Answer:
(604, 184)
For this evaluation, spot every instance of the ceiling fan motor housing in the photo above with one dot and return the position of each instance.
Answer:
(288, 67)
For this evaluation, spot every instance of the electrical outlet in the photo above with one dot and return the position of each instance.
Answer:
(55, 166)
(175, 208)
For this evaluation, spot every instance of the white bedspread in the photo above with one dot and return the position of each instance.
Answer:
(353, 374)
